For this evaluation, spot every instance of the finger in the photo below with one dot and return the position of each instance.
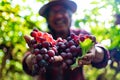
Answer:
(58, 58)
(85, 58)
(88, 57)
(84, 62)
(28, 40)
(30, 60)
(80, 63)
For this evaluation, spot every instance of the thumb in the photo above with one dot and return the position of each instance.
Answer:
(28, 40)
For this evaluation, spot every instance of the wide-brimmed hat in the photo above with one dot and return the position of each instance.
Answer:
(68, 3)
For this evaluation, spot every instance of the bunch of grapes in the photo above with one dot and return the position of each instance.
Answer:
(68, 49)
(47, 50)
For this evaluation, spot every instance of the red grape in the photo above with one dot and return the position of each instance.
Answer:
(51, 53)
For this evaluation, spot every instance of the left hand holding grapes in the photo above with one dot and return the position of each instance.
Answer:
(96, 54)
(88, 58)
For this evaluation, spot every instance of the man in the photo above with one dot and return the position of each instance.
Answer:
(58, 14)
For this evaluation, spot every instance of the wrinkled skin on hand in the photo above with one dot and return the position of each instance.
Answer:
(88, 58)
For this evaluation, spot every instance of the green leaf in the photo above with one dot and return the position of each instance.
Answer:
(85, 45)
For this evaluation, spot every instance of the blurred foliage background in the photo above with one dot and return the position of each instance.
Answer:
(18, 18)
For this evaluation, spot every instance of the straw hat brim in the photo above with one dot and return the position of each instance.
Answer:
(69, 4)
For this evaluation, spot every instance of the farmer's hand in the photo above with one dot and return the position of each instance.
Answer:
(28, 41)
(30, 61)
(96, 54)
(88, 58)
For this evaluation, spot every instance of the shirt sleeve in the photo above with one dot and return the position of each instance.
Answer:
(104, 62)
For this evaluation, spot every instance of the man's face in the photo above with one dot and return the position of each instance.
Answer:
(59, 19)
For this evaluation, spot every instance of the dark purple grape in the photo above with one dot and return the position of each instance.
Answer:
(69, 38)
(43, 51)
(42, 63)
(79, 50)
(67, 50)
(69, 61)
(59, 43)
(39, 45)
(70, 43)
(75, 54)
(73, 49)
(51, 53)
(63, 46)
(46, 57)
(45, 44)
(69, 55)
(36, 51)
(39, 57)
(64, 55)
